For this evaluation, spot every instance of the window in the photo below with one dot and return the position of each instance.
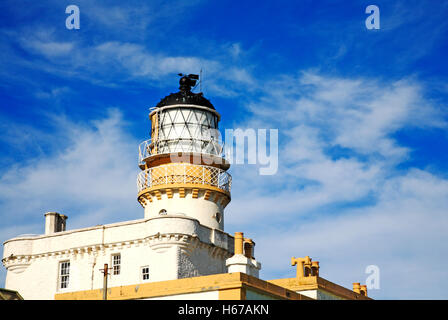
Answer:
(162, 212)
(64, 274)
(218, 217)
(116, 264)
(145, 273)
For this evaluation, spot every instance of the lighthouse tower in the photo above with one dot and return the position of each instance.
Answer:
(183, 169)
(184, 186)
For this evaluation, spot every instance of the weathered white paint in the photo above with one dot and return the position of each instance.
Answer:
(198, 208)
(240, 263)
(319, 294)
(54, 222)
(308, 293)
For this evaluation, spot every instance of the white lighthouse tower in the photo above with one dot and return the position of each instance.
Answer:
(184, 178)
(184, 171)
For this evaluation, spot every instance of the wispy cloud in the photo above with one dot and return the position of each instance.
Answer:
(115, 62)
(92, 170)
(394, 234)
(360, 114)
(338, 186)
(89, 175)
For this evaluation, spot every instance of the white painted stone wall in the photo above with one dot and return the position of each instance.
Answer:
(308, 293)
(172, 246)
(240, 263)
(199, 208)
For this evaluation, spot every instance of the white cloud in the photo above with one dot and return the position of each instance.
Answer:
(91, 175)
(115, 62)
(121, 18)
(359, 114)
(235, 50)
(51, 49)
(350, 207)
(404, 234)
(42, 41)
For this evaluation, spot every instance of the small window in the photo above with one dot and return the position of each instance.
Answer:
(218, 217)
(145, 273)
(162, 212)
(116, 264)
(64, 274)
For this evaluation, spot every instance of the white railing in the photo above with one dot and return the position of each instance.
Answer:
(176, 173)
(148, 148)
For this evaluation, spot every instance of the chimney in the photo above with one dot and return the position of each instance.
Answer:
(303, 266)
(54, 222)
(307, 266)
(364, 290)
(242, 260)
(357, 287)
(315, 268)
(249, 248)
(238, 243)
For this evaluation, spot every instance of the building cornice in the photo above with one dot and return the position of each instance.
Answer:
(318, 283)
(157, 242)
(209, 193)
(230, 286)
(18, 255)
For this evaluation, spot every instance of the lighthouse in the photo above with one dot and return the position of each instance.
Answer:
(183, 167)
(184, 186)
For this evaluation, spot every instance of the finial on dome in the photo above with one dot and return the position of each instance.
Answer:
(187, 81)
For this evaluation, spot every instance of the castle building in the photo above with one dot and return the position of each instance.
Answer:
(179, 250)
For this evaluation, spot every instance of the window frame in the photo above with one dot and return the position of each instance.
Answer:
(116, 267)
(142, 273)
(64, 278)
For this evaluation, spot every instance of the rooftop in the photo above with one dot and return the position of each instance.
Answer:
(185, 96)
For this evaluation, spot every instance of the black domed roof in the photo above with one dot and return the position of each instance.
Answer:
(185, 96)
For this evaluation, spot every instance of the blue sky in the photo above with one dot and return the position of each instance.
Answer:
(361, 114)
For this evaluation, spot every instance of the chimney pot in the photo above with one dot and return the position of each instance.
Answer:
(357, 287)
(54, 222)
(239, 236)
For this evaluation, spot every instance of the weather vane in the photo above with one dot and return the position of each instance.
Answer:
(187, 81)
